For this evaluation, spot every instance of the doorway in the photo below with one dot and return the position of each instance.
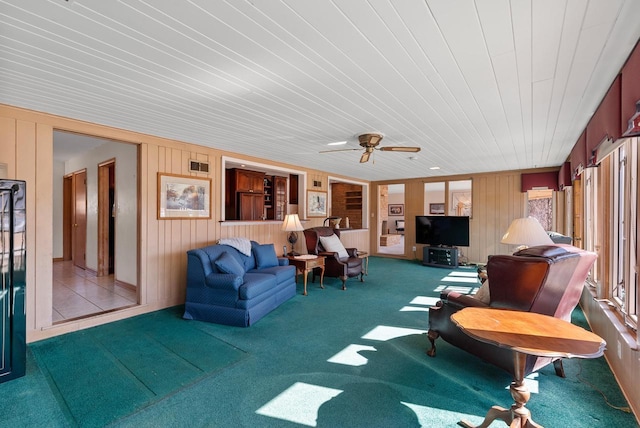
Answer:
(392, 219)
(95, 241)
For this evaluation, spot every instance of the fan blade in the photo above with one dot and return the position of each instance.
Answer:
(365, 157)
(338, 150)
(400, 149)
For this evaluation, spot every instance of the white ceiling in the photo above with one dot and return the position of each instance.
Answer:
(481, 85)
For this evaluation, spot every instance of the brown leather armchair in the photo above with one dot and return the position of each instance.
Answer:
(546, 279)
(334, 266)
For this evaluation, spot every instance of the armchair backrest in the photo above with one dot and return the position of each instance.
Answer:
(312, 237)
(546, 279)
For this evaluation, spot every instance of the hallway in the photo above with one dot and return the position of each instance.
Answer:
(78, 293)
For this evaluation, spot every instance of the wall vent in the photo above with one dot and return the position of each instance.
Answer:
(197, 166)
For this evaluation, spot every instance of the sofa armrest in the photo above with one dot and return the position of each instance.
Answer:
(283, 261)
(224, 281)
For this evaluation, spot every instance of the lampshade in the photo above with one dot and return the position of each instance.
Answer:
(526, 232)
(292, 223)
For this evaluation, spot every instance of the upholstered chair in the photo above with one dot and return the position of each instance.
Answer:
(546, 279)
(340, 262)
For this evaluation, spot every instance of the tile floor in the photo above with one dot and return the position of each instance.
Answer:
(392, 249)
(79, 293)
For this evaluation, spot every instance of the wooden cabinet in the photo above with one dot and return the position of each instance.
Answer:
(279, 198)
(244, 195)
(275, 197)
(248, 181)
(250, 206)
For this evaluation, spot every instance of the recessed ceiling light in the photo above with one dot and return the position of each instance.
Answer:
(337, 143)
(435, 167)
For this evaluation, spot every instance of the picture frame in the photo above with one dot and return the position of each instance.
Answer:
(396, 209)
(183, 197)
(316, 203)
(437, 208)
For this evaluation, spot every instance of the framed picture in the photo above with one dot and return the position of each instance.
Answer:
(183, 197)
(436, 208)
(316, 203)
(396, 209)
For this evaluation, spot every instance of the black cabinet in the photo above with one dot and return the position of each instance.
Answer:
(13, 268)
(440, 257)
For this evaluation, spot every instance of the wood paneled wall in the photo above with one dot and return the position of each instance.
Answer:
(496, 199)
(26, 146)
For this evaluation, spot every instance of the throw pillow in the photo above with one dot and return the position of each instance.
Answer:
(265, 256)
(333, 245)
(226, 263)
(483, 293)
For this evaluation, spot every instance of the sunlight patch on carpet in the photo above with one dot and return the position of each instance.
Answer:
(424, 300)
(413, 309)
(465, 274)
(426, 415)
(383, 333)
(473, 280)
(299, 403)
(350, 356)
(458, 288)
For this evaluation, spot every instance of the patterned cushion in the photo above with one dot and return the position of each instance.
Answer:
(332, 244)
(226, 263)
(265, 256)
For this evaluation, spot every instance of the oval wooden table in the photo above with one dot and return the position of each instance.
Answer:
(525, 333)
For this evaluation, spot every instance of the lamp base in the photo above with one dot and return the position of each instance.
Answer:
(293, 253)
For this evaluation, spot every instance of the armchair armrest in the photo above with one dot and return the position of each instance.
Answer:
(331, 255)
(224, 281)
(459, 301)
(353, 252)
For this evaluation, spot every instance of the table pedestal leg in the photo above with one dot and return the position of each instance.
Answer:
(518, 415)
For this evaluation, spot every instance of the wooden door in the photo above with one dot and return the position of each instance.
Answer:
(251, 206)
(79, 229)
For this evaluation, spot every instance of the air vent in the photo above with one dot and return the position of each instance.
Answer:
(196, 166)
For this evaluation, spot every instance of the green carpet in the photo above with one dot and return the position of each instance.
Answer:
(334, 358)
(102, 374)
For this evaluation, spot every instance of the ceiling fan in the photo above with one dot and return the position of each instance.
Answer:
(370, 143)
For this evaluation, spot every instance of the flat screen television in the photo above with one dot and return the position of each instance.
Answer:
(447, 231)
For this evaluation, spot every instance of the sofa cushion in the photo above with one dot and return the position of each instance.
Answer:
(226, 263)
(255, 284)
(332, 244)
(282, 273)
(265, 256)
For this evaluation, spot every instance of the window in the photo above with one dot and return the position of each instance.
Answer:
(611, 214)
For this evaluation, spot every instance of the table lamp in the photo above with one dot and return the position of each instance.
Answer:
(526, 232)
(292, 225)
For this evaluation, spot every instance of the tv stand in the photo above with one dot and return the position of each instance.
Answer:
(446, 257)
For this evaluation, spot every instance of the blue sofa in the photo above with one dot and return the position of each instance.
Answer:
(225, 286)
